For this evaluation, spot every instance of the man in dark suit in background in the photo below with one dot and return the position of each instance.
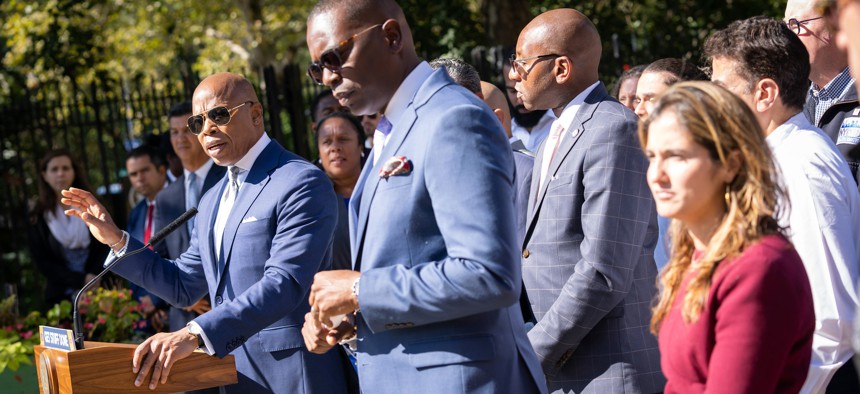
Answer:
(592, 225)
(199, 175)
(147, 173)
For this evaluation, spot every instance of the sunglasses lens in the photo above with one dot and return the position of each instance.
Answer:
(195, 124)
(219, 115)
(331, 60)
(315, 71)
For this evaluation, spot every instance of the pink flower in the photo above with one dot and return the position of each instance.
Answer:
(84, 311)
(88, 326)
(102, 320)
(27, 334)
(8, 328)
(19, 326)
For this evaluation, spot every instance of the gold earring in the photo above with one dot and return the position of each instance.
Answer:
(728, 196)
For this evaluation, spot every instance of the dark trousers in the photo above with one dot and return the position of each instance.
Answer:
(845, 381)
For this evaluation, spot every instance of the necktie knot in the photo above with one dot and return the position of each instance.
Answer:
(384, 125)
(233, 176)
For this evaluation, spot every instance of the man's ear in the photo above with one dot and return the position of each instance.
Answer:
(393, 35)
(563, 69)
(766, 94)
(500, 114)
(257, 114)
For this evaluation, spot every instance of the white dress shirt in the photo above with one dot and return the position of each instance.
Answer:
(532, 139)
(824, 226)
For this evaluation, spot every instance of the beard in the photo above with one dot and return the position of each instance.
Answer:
(528, 119)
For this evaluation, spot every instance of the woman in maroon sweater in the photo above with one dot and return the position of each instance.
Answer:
(735, 309)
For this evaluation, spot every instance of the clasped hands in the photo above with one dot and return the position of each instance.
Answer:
(331, 298)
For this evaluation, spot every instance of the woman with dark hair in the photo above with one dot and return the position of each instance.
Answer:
(340, 142)
(61, 246)
(735, 312)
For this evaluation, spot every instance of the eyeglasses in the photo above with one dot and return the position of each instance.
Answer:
(218, 115)
(795, 24)
(333, 59)
(519, 65)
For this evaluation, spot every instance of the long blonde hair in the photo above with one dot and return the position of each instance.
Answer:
(721, 123)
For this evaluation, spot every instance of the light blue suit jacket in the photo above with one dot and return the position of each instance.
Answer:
(276, 238)
(437, 251)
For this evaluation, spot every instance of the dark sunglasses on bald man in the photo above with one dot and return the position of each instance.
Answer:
(218, 115)
(333, 59)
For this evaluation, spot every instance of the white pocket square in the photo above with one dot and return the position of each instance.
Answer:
(249, 219)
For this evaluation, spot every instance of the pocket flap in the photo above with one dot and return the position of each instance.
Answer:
(274, 339)
(457, 350)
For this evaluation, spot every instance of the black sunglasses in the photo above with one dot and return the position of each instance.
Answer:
(218, 115)
(333, 59)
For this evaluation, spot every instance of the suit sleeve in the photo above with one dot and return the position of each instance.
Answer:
(615, 213)
(468, 175)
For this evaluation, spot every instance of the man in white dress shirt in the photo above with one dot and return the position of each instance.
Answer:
(766, 65)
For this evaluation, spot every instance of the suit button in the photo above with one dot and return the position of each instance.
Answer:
(218, 300)
(526, 253)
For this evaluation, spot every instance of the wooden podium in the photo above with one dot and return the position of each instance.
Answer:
(106, 368)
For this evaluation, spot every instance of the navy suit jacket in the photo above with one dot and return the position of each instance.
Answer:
(137, 220)
(437, 252)
(276, 238)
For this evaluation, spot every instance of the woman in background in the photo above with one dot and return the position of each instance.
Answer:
(340, 142)
(61, 246)
(735, 310)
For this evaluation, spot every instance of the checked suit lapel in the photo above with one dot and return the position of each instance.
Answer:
(572, 133)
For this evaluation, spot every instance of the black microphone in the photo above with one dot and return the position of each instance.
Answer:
(76, 317)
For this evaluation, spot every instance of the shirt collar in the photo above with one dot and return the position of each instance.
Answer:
(796, 122)
(201, 172)
(572, 108)
(406, 92)
(247, 161)
(837, 87)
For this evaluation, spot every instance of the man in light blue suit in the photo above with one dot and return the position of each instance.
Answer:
(260, 237)
(432, 224)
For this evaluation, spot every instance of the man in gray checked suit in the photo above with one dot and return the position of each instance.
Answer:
(591, 228)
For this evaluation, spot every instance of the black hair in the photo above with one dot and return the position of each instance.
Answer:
(154, 155)
(183, 108)
(359, 129)
(765, 48)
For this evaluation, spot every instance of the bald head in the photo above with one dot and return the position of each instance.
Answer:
(354, 13)
(495, 99)
(227, 143)
(568, 32)
(227, 86)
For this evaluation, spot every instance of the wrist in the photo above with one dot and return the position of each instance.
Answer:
(117, 246)
(355, 290)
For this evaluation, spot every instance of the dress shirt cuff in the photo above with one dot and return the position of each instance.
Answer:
(115, 255)
(195, 328)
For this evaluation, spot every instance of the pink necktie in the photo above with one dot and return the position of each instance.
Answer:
(551, 147)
